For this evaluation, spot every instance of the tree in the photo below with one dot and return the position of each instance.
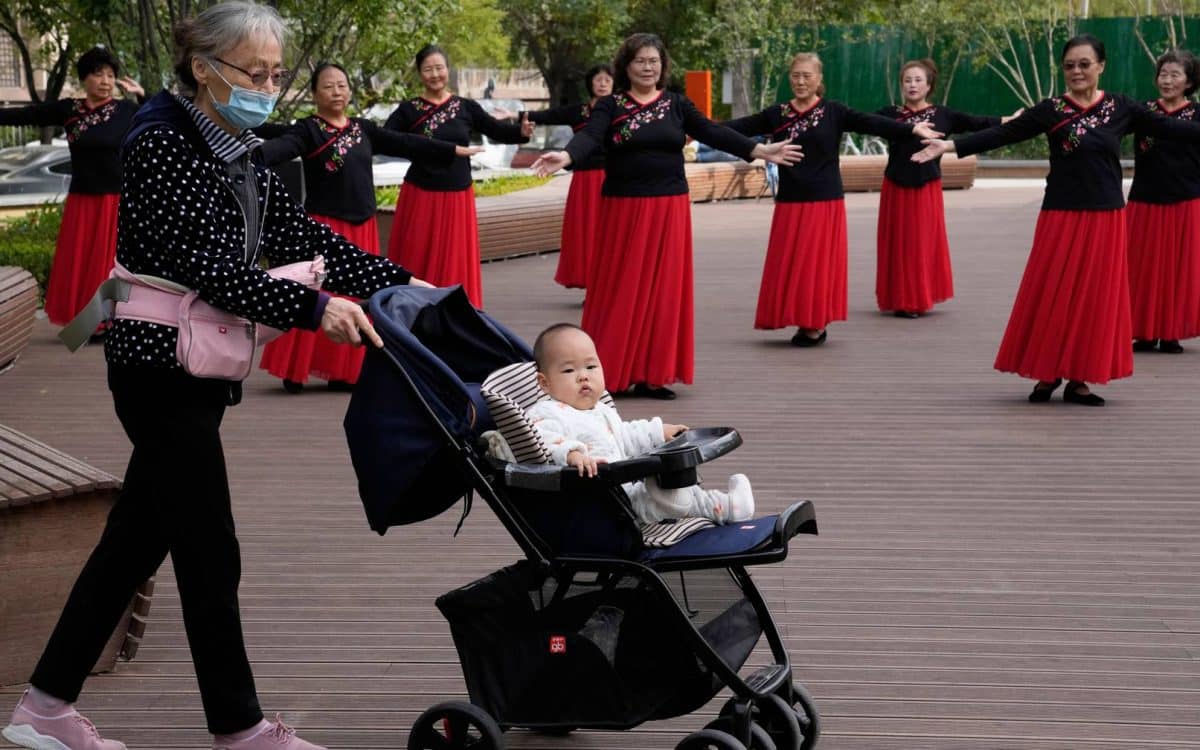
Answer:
(474, 35)
(1018, 40)
(564, 38)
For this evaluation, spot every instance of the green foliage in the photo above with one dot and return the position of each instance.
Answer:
(565, 38)
(28, 241)
(386, 196)
(474, 35)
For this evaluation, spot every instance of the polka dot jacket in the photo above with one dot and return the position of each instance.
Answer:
(180, 219)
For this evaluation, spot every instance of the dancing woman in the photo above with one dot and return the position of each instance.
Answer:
(1071, 316)
(339, 192)
(1164, 219)
(94, 125)
(913, 273)
(639, 309)
(582, 214)
(435, 232)
(804, 276)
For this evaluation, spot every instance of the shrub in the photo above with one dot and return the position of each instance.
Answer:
(28, 241)
(386, 196)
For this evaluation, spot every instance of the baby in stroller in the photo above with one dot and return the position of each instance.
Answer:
(579, 430)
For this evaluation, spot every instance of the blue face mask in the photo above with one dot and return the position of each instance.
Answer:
(247, 108)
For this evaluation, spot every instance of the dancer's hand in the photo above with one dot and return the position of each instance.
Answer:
(414, 281)
(131, 87)
(500, 113)
(550, 162)
(526, 125)
(933, 149)
(1013, 116)
(784, 153)
(924, 130)
(468, 150)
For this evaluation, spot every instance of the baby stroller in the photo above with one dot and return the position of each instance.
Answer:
(604, 624)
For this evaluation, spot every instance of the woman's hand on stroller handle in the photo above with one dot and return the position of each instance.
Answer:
(344, 322)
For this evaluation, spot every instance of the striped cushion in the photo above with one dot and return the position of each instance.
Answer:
(511, 390)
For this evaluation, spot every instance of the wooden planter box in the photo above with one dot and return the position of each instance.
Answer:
(52, 510)
(18, 304)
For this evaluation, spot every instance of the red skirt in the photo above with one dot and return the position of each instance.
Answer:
(581, 224)
(299, 353)
(913, 273)
(83, 254)
(1164, 269)
(1071, 316)
(435, 236)
(639, 308)
(804, 276)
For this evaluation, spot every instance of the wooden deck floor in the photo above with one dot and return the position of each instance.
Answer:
(990, 573)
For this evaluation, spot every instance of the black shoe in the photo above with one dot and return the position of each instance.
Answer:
(1041, 391)
(1072, 396)
(1170, 346)
(804, 340)
(644, 390)
(1144, 345)
(291, 386)
(341, 386)
(907, 314)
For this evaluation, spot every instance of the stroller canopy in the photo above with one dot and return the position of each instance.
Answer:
(417, 400)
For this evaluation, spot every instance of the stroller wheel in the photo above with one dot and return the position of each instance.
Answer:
(710, 739)
(759, 739)
(779, 720)
(806, 715)
(455, 725)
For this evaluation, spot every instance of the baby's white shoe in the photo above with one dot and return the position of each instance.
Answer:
(741, 498)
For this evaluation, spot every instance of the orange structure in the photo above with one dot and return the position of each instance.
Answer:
(698, 86)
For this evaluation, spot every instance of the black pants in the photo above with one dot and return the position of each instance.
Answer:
(175, 500)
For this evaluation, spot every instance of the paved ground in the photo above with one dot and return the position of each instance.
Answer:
(990, 573)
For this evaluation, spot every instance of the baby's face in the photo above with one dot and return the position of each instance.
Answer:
(573, 374)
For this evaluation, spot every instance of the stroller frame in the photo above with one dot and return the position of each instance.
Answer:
(763, 698)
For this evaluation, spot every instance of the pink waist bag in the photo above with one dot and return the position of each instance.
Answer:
(213, 343)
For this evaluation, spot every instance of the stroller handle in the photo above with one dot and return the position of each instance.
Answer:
(673, 462)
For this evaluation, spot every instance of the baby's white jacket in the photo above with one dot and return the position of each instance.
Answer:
(598, 432)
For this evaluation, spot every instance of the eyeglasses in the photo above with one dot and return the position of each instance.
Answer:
(259, 77)
(1080, 64)
(646, 62)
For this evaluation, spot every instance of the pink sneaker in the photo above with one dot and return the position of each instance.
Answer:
(274, 735)
(67, 731)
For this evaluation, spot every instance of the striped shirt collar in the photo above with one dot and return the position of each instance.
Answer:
(225, 146)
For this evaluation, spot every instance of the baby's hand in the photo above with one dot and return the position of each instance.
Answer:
(673, 430)
(583, 462)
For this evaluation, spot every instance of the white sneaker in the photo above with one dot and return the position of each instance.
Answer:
(741, 499)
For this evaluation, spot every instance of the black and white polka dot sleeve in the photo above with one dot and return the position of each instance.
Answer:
(290, 236)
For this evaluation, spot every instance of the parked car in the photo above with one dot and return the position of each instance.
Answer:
(498, 155)
(34, 174)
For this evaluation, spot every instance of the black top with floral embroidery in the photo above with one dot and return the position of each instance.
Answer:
(901, 169)
(181, 219)
(93, 133)
(643, 142)
(1085, 145)
(452, 121)
(338, 180)
(1166, 171)
(577, 116)
(818, 176)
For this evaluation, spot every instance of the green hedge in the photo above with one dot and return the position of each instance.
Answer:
(28, 241)
(386, 196)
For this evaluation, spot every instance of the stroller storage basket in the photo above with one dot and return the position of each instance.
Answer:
(601, 647)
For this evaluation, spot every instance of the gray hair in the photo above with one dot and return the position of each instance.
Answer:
(218, 29)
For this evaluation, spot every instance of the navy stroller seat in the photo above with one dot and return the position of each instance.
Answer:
(593, 628)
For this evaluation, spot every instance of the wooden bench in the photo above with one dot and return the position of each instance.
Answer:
(52, 510)
(511, 225)
(737, 179)
(18, 304)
